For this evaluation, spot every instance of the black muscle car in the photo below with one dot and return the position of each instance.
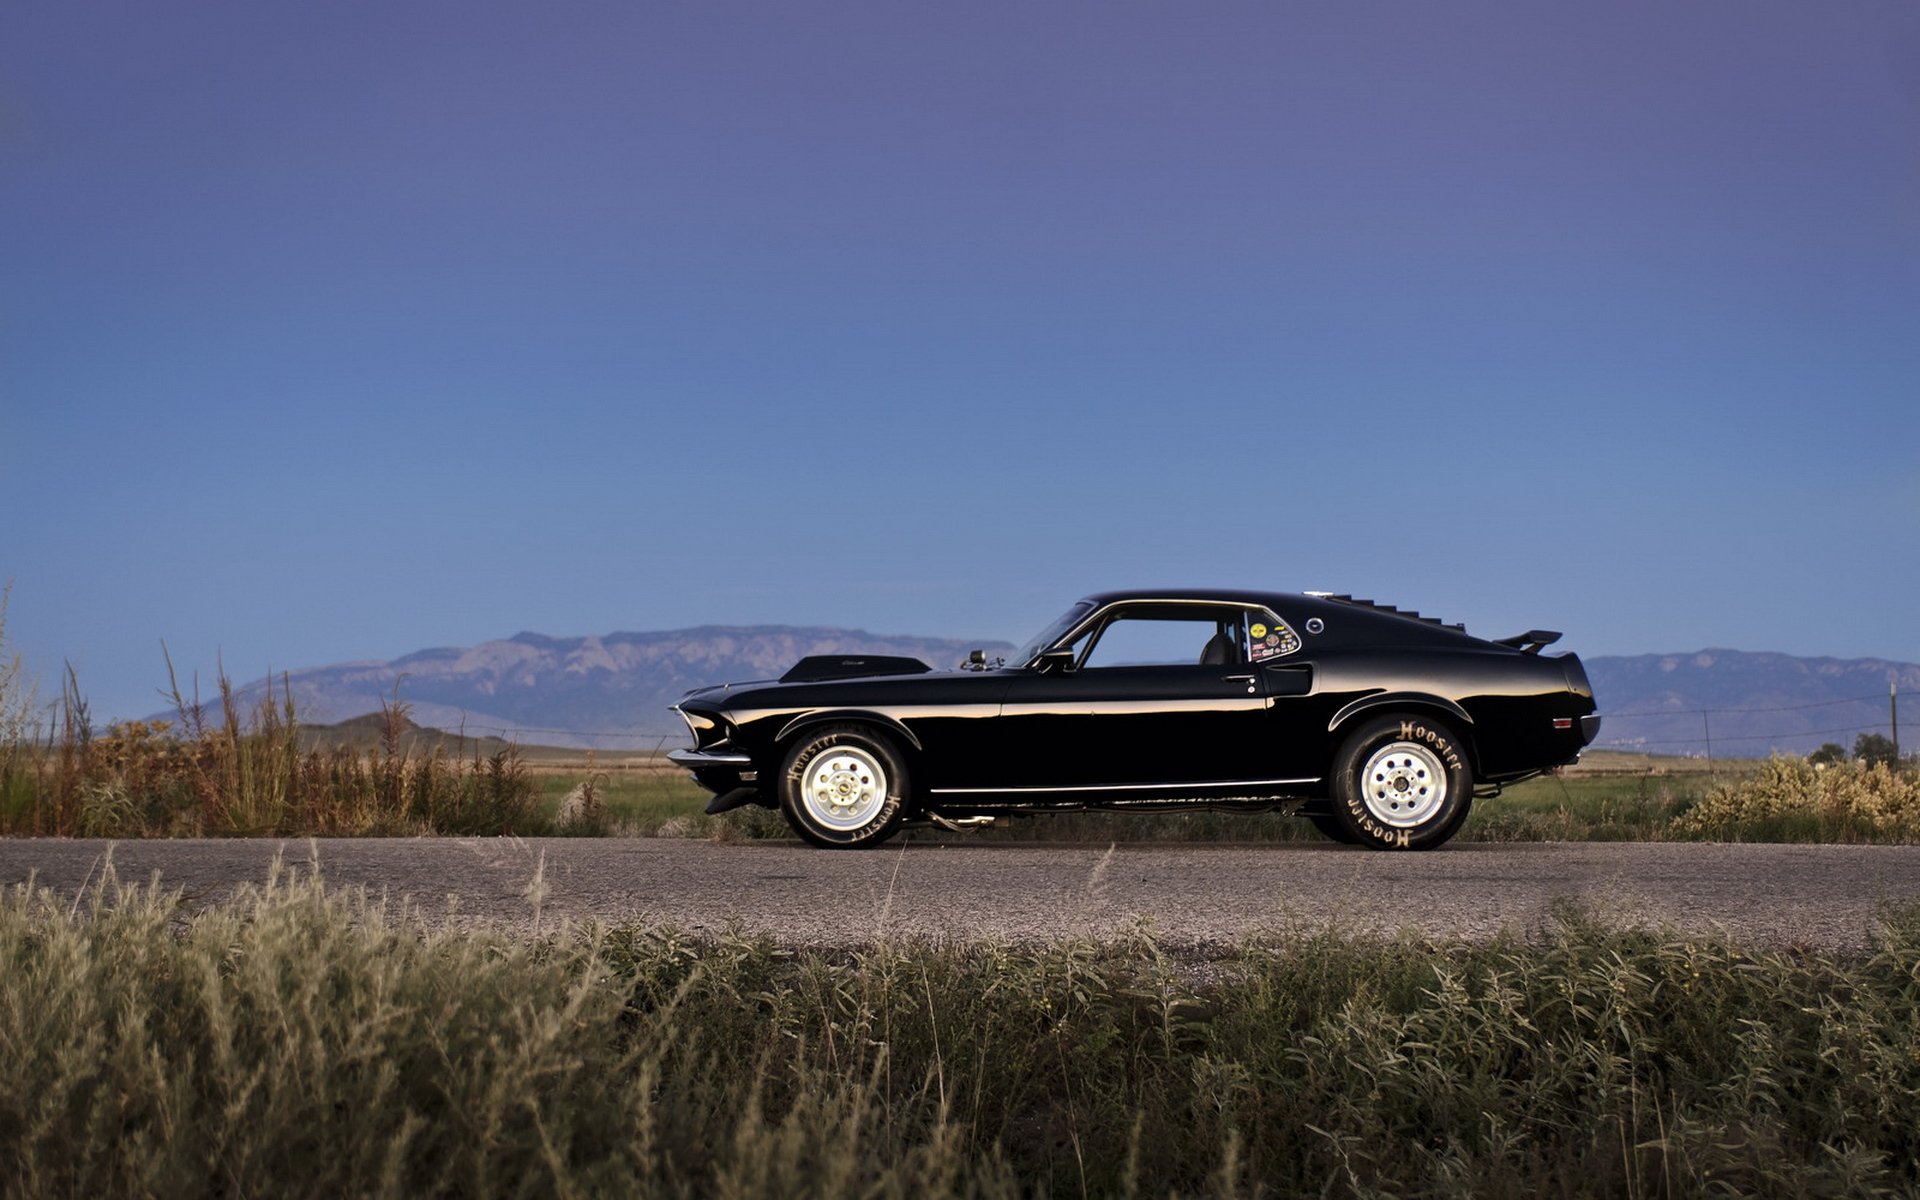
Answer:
(1379, 726)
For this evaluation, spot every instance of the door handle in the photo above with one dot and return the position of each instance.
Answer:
(1249, 680)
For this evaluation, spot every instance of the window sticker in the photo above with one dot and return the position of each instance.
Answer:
(1271, 640)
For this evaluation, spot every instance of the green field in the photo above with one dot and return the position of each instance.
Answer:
(1580, 806)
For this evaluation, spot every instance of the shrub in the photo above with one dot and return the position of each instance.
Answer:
(1838, 801)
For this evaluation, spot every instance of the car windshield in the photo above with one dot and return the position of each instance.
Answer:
(1052, 633)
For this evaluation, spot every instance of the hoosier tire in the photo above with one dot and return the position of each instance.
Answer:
(1401, 782)
(843, 787)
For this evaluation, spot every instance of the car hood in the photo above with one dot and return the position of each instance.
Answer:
(855, 688)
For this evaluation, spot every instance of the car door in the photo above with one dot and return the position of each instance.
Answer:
(1161, 696)
(1168, 725)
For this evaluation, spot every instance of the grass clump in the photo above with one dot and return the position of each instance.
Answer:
(242, 772)
(303, 1043)
(1792, 799)
(16, 716)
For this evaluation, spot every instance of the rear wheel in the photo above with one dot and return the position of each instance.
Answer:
(843, 786)
(1402, 783)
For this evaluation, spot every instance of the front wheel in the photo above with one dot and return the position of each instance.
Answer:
(1402, 783)
(843, 786)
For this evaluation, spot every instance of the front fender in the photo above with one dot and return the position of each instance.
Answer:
(844, 716)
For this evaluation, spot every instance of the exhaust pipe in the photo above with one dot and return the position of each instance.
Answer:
(959, 824)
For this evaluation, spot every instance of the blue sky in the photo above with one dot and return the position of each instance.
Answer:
(337, 331)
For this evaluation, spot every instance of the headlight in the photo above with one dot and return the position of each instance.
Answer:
(699, 725)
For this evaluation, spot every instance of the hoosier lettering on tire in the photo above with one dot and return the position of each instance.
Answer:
(843, 786)
(1402, 782)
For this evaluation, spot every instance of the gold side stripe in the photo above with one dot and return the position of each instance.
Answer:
(1124, 787)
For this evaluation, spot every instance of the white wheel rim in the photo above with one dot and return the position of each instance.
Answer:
(1403, 784)
(843, 788)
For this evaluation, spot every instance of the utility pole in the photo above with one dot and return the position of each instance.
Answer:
(1893, 716)
(1707, 724)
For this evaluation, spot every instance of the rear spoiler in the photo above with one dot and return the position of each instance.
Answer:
(1530, 642)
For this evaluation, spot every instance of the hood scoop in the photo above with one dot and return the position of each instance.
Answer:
(816, 667)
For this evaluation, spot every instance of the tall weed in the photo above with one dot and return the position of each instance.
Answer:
(241, 772)
(17, 776)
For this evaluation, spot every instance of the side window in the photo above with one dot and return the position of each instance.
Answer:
(1174, 636)
(1136, 641)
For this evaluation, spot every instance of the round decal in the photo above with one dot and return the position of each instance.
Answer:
(1259, 630)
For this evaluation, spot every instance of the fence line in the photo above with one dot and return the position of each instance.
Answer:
(503, 730)
(37, 730)
(1708, 737)
(1622, 744)
(1682, 712)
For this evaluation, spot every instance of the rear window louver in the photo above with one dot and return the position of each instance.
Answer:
(1408, 613)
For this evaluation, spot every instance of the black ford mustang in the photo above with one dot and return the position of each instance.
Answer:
(1380, 726)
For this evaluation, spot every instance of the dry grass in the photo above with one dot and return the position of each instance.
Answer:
(297, 1043)
(244, 773)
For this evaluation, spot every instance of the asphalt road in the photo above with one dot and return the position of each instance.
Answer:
(1191, 896)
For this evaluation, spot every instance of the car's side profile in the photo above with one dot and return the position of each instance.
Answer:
(1379, 726)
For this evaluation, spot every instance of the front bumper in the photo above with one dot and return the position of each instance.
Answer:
(728, 774)
(701, 760)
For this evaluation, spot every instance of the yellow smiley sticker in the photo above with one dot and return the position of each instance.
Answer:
(1258, 630)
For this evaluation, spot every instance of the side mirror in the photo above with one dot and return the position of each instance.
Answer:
(1055, 660)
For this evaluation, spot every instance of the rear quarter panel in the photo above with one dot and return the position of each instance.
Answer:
(1508, 700)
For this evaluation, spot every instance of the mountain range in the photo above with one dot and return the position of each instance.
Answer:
(1738, 703)
(611, 692)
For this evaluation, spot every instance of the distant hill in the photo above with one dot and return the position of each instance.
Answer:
(609, 692)
(1757, 702)
(612, 692)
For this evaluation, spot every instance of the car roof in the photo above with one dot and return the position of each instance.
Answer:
(1323, 603)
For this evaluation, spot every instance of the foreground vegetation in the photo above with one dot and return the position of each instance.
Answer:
(295, 1043)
